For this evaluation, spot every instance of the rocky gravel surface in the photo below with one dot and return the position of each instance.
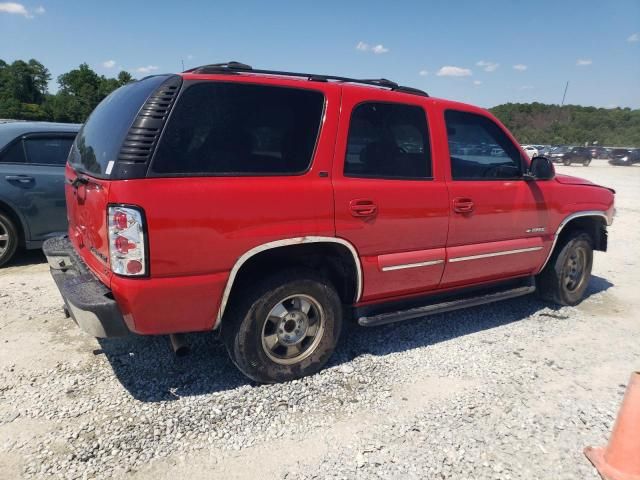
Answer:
(511, 390)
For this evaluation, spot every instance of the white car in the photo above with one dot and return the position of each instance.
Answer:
(530, 151)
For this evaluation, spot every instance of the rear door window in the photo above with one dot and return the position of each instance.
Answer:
(220, 128)
(48, 150)
(388, 140)
(14, 153)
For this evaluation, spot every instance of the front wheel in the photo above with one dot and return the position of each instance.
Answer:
(287, 327)
(566, 276)
(566, 162)
(8, 239)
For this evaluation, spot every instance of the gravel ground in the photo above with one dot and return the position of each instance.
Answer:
(510, 390)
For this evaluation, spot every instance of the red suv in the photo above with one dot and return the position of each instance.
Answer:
(274, 206)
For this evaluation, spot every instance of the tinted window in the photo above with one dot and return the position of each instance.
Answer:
(388, 140)
(234, 128)
(13, 154)
(48, 151)
(101, 137)
(479, 148)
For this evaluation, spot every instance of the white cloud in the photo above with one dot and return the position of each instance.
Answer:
(477, 82)
(40, 10)
(377, 49)
(190, 57)
(520, 67)
(584, 62)
(15, 9)
(147, 69)
(423, 73)
(634, 37)
(526, 87)
(488, 66)
(109, 63)
(451, 71)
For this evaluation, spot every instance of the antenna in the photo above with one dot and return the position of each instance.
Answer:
(182, 61)
(564, 95)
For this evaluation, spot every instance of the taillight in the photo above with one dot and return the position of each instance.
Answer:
(127, 247)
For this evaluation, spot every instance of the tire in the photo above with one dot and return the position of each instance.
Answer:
(587, 162)
(566, 162)
(8, 239)
(268, 334)
(566, 276)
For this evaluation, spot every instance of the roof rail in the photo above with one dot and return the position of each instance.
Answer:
(237, 67)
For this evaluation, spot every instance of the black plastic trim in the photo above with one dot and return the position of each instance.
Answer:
(142, 138)
(385, 307)
(82, 292)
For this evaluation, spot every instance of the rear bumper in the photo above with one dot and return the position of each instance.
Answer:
(90, 303)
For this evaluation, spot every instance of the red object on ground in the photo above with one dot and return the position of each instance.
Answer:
(620, 460)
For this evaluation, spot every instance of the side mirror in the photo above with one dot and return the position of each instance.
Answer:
(541, 168)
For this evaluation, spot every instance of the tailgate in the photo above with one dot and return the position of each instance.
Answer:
(87, 200)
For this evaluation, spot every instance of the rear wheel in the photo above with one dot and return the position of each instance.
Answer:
(566, 276)
(586, 162)
(8, 239)
(286, 327)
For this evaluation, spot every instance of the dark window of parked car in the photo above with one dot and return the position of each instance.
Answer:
(388, 140)
(101, 137)
(480, 149)
(14, 153)
(240, 129)
(48, 151)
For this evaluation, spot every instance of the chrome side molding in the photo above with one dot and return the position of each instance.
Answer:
(494, 254)
(412, 265)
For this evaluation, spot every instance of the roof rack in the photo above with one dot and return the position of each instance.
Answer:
(237, 67)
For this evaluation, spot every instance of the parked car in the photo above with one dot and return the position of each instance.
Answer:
(600, 153)
(543, 150)
(625, 156)
(275, 206)
(530, 150)
(32, 205)
(569, 155)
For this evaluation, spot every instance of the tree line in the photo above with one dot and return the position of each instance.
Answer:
(539, 123)
(24, 95)
(24, 92)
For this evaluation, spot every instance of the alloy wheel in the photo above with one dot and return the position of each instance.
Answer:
(293, 329)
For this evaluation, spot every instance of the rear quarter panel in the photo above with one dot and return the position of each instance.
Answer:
(198, 227)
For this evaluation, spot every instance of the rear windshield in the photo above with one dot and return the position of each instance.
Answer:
(221, 128)
(101, 137)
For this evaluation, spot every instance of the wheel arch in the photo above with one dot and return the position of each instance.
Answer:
(594, 222)
(296, 251)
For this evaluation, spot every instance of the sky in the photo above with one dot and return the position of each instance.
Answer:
(481, 52)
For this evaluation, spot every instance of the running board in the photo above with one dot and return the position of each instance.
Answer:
(399, 316)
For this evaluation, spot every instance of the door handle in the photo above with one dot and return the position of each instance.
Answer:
(363, 208)
(19, 178)
(463, 205)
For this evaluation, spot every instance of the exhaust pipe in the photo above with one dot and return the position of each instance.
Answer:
(179, 344)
